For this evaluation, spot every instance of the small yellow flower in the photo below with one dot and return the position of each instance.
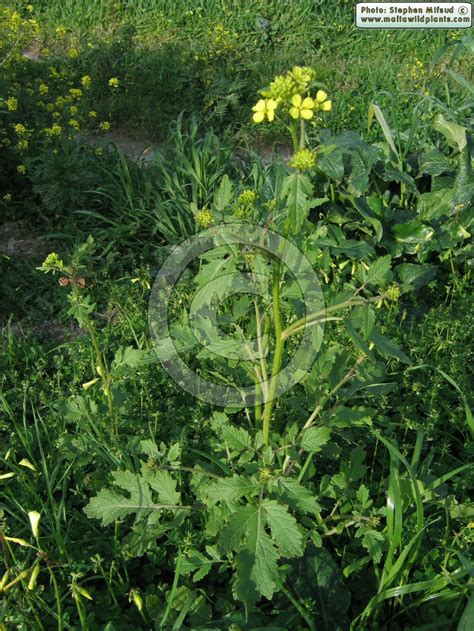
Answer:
(302, 108)
(92, 114)
(20, 129)
(75, 93)
(43, 88)
(22, 145)
(12, 104)
(73, 53)
(86, 81)
(265, 108)
(73, 110)
(61, 31)
(114, 82)
(24, 462)
(54, 130)
(74, 124)
(34, 518)
(105, 126)
(7, 198)
(22, 170)
(322, 102)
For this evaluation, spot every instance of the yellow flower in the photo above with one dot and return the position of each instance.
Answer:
(73, 53)
(22, 145)
(24, 462)
(29, 7)
(114, 82)
(7, 197)
(74, 124)
(12, 104)
(20, 129)
(22, 170)
(73, 110)
(54, 130)
(92, 114)
(322, 102)
(86, 81)
(265, 108)
(75, 93)
(302, 108)
(61, 31)
(43, 88)
(105, 126)
(34, 518)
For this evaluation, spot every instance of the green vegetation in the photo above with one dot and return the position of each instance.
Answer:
(326, 485)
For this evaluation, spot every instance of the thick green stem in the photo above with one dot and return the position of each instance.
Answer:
(279, 343)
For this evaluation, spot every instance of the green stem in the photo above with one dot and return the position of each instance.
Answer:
(302, 134)
(58, 599)
(169, 604)
(279, 343)
(103, 373)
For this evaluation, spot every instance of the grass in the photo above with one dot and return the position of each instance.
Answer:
(216, 56)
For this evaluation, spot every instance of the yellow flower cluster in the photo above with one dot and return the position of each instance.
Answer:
(287, 92)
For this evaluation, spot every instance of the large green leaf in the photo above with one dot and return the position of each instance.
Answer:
(435, 204)
(377, 272)
(110, 505)
(231, 489)
(257, 570)
(294, 494)
(284, 527)
(297, 189)
(314, 438)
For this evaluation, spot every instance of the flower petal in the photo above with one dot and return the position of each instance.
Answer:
(307, 114)
(296, 100)
(326, 106)
(258, 117)
(308, 103)
(321, 96)
(294, 112)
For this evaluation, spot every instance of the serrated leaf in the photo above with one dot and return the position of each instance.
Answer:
(236, 529)
(314, 438)
(224, 194)
(164, 484)
(236, 438)
(128, 359)
(294, 494)
(297, 189)
(284, 529)
(257, 570)
(110, 505)
(372, 542)
(377, 272)
(231, 489)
